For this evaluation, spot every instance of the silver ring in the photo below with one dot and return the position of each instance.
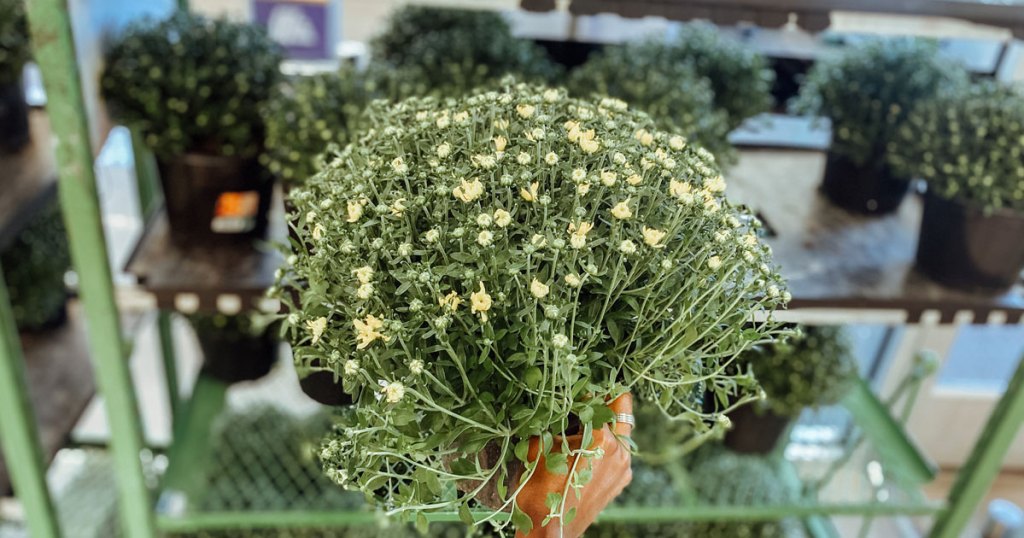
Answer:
(625, 418)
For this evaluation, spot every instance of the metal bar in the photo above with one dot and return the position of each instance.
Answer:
(55, 52)
(146, 176)
(19, 438)
(982, 466)
(169, 358)
(189, 453)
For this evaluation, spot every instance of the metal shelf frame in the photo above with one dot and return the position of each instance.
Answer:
(55, 52)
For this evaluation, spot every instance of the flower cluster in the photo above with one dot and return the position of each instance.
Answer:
(309, 114)
(190, 84)
(869, 90)
(968, 145)
(649, 77)
(740, 77)
(812, 369)
(452, 51)
(14, 40)
(485, 270)
(34, 266)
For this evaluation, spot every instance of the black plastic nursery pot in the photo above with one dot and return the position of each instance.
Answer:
(868, 190)
(215, 200)
(322, 388)
(14, 129)
(961, 246)
(232, 356)
(755, 431)
(569, 54)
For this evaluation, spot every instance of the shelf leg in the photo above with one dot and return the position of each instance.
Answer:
(54, 46)
(190, 452)
(170, 363)
(982, 466)
(19, 438)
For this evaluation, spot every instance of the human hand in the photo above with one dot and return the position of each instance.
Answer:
(611, 473)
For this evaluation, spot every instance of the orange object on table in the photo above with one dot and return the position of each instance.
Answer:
(610, 475)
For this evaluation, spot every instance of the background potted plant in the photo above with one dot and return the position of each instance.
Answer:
(649, 77)
(451, 52)
(194, 88)
(867, 92)
(486, 274)
(812, 369)
(236, 348)
(14, 52)
(968, 147)
(309, 114)
(34, 266)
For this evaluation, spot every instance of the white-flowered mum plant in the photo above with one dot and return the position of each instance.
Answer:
(485, 270)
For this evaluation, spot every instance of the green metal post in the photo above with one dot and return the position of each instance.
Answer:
(977, 475)
(18, 436)
(170, 365)
(146, 176)
(55, 52)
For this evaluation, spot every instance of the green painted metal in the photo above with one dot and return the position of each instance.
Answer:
(147, 177)
(982, 466)
(50, 23)
(170, 363)
(19, 438)
(189, 454)
(896, 450)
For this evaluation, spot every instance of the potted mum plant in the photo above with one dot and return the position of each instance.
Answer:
(649, 77)
(492, 277)
(967, 146)
(34, 267)
(309, 114)
(193, 88)
(452, 51)
(14, 52)
(236, 348)
(812, 369)
(867, 92)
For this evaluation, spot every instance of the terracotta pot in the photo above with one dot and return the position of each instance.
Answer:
(869, 190)
(755, 431)
(963, 247)
(212, 199)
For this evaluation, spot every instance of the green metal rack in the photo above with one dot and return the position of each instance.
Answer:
(192, 457)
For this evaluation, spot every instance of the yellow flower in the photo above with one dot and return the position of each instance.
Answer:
(573, 280)
(499, 143)
(714, 263)
(363, 274)
(645, 137)
(539, 289)
(716, 185)
(579, 174)
(523, 158)
(443, 121)
(485, 238)
(531, 194)
(583, 188)
(318, 232)
(467, 191)
(627, 247)
(368, 330)
(444, 150)
(608, 178)
(634, 179)
(622, 211)
(450, 302)
(480, 302)
(551, 158)
(393, 392)
(525, 110)
(653, 237)
(679, 189)
(316, 328)
(578, 234)
(501, 124)
(461, 117)
(485, 161)
(398, 207)
(590, 146)
(502, 218)
(432, 235)
(677, 142)
(399, 166)
(355, 210)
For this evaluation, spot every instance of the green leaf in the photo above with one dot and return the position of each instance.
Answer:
(570, 515)
(464, 514)
(557, 463)
(521, 521)
(586, 415)
(522, 449)
(422, 525)
(553, 500)
(602, 415)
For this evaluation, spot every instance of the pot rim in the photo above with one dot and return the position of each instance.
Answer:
(972, 207)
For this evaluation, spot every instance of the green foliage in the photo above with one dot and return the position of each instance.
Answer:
(15, 47)
(869, 90)
(191, 84)
(450, 52)
(478, 270)
(34, 267)
(968, 145)
(307, 116)
(723, 478)
(650, 77)
(740, 77)
(812, 369)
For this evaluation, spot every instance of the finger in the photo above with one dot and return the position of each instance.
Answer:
(623, 409)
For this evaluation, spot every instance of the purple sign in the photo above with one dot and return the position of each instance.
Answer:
(301, 27)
